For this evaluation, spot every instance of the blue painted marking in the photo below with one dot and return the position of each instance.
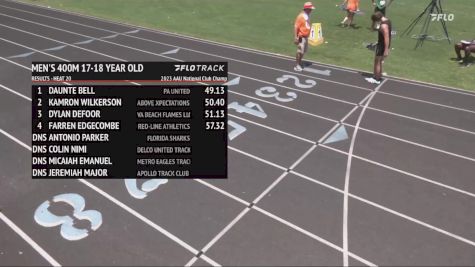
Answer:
(23, 55)
(129, 32)
(147, 187)
(84, 42)
(234, 81)
(174, 51)
(111, 36)
(339, 135)
(55, 48)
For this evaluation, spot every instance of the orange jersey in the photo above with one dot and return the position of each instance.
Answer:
(353, 5)
(302, 23)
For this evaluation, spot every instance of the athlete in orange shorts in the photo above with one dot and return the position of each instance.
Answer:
(352, 6)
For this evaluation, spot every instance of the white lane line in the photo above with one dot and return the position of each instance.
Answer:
(272, 129)
(359, 157)
(258, 158)
(14, 92)
(335, 189)
(122, 205)
(414, 220)
(133, 212)
(33, 49)
(61, 42)
(225, 229)
(297, 162)
(28, 240)
(470, 194)
(168, 57)
(140, 216)
(191, 262)
(270, 187)
(251, 50)
(15, 63)
(413, 143)
(299, 229)
(16, 140)
(279, 219)
(295, 89)
(285, 107)
(311, 235)
(428, 102)
(422, 120)
(460, 238)
(200, 52)
(395, 114)
(223, 192)
(348, 173)
(352, 126)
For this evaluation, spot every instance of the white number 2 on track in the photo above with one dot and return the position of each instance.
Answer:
(285, 77)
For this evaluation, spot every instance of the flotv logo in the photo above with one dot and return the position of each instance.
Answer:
(442, 17)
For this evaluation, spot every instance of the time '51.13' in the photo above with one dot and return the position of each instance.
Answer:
(214, 114)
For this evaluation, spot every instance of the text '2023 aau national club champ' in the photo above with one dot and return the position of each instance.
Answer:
(134, 119)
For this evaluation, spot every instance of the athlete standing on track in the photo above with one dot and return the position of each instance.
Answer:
(301, 33)
(383, 25)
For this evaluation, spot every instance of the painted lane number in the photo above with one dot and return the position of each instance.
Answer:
(271, 92)
(309, 83)
(68, 231)
(145, 188)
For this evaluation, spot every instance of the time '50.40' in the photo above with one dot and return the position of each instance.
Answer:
(215, 102)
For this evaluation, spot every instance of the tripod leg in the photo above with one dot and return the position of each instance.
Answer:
(411, 26)
(444, 25)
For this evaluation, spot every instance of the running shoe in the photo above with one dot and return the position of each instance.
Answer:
(372, 80)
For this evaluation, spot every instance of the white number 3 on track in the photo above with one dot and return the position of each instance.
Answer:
(68, 231)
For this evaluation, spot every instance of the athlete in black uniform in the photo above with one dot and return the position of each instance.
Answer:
(383, 25)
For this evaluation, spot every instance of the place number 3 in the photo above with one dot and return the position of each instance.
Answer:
(68, 231)
(271, 92)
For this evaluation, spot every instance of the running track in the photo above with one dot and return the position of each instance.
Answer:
(398, 189)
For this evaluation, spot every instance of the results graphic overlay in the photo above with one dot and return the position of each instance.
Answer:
(135, 119)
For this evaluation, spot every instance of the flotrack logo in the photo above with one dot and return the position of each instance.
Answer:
(442, 17)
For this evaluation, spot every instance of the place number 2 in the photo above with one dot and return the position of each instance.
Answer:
(309, 83)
